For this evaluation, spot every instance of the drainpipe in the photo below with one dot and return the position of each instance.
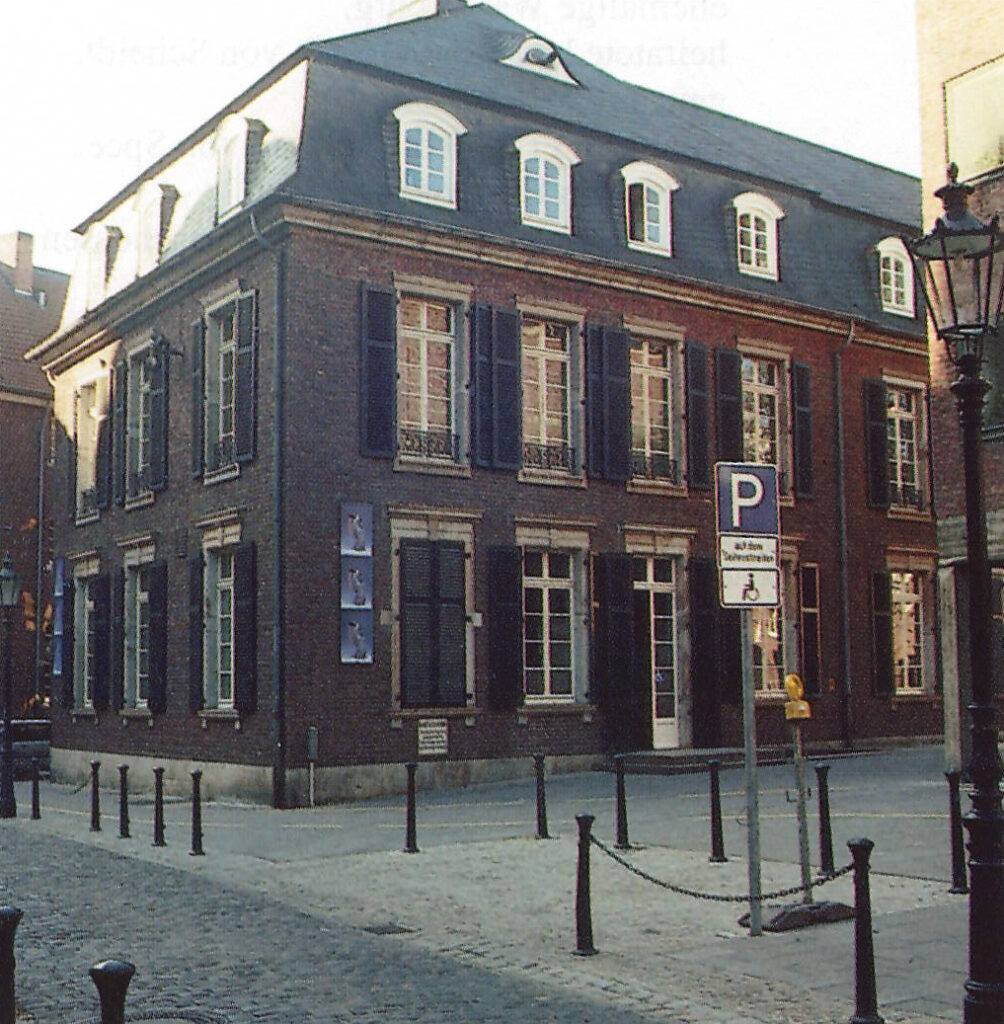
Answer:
(278, 664)
(846, 718)
(39, 540)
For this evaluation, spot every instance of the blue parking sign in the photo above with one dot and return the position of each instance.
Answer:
(746, 498)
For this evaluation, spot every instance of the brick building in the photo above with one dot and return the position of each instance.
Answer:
(961, 52)
(390, 399)
(31, 304)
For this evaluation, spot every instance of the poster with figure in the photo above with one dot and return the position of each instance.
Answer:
(357, 637)
(356, 593)
(357, 582)
(357, 529)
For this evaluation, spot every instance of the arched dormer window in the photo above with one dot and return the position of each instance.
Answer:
(154, 206)
(539, 56)
(756, 234)
(545, 182)
(895, 277)
(427, 153)
(101, 245)
(648, 192)
(237, 145)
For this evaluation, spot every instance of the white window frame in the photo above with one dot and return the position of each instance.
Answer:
(641, 407)
(651, 586)
(756, 206)
(549, 586)
(782, 623)
(908, 671)
(99, 250)
(139, 420)
(230, 145)
(88, 420)
(137, 597)
(896, 297)
(216, 622)
(546, 150)
(426, 118)
(216, 428)
(84, 641)
(662, 185)
(894, 444)
(149, 226)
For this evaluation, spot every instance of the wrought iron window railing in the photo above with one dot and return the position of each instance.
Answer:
(559, 457)
(429, 444)
(906, 496)
(87, 502)
(654, 466)
(221, 454)
(139, 481)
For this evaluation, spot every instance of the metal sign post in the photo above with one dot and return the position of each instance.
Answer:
(749, 541)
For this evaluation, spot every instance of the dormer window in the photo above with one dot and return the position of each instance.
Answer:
(100, 249)
(154, 206)
(545, 182)
(237, 143)
(756, 235)
(540, 57)
(647, 206)
(427, 153)
(895, 277)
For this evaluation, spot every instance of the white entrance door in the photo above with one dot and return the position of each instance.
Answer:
(655, 585)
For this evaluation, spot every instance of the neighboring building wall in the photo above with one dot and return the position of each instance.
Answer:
(954, 40)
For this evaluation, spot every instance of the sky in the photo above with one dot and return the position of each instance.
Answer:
(94, 92)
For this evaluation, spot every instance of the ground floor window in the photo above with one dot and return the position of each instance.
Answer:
(907, 632)
(655, 608)
(903, 634)
(773, 638)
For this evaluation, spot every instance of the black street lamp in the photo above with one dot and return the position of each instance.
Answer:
(10, 594)
(960, 267)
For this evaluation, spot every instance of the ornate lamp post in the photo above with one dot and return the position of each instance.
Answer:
(960, 267)
(10, 594)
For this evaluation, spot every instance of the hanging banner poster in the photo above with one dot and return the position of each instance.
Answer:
(356, 589)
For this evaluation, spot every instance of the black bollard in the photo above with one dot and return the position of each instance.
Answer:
(196, 850)
(36, 811)
(95, 798)
(123, 801)
(158, 807)
(717, 836)
(583, 912)
(112, 978)
(825, 833)
(960, 884)
(410, 841)
(622, 826)
(10, 918)
(865, 998)
(538, 767)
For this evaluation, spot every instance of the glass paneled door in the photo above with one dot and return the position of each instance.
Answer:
(656, 635)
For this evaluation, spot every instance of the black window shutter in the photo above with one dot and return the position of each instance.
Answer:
(617, 404)
(505, 627)
(158, 415)
(882, 668)
(71, 464)
(594, 401)
(378, 373)
(196, 698)
(808, 592)
(698, 425)
(244, 377)
(636, 212)
(704, 651)
(118, 640)
(156, 581)
(801, 400)
(100, 587)
(69, 621)
(245, 630)
(103, 463)
(729, 406)
(876, 444)
(451, 626)
(731, 656)
(507, 389)
(417, 633)
(198, 396)
(614, 642)
(120, 412)
(481, 390)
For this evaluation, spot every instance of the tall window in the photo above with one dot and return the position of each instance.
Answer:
(907, 632)
(773, 635)
(426, 372)
(140, 421)
(547, 374)
(92, 441)
(655, 585)
(756, 234)
(548, 645)
(427, 153)
(546, 182)
(218, 651)
(648, 195)
(137, 637)
(895, 277)
(85, 632)
(901, 424)
(761, 397)
(652, 411)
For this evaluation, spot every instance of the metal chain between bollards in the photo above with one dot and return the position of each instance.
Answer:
(716, 897)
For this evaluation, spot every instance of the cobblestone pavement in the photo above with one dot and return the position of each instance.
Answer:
(284, 920)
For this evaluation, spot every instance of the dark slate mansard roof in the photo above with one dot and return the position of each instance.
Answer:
(836, 207)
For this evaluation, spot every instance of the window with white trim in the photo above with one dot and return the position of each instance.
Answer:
(237, 145)
(904, 423)
(218, 629)
(773, 638)
(101, 246)
(757, 217)
(139, 437)
(549, 627)
(427, 153)
(647, 206)
(907, 592)
(136, 688)
(85, 635)
(545, 182)
(427, 379)
(895, 277)
(90, 435)
(762, 392)
(549, 376)
(653, 441)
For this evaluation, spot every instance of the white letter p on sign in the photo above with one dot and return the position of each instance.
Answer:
(749, 500)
